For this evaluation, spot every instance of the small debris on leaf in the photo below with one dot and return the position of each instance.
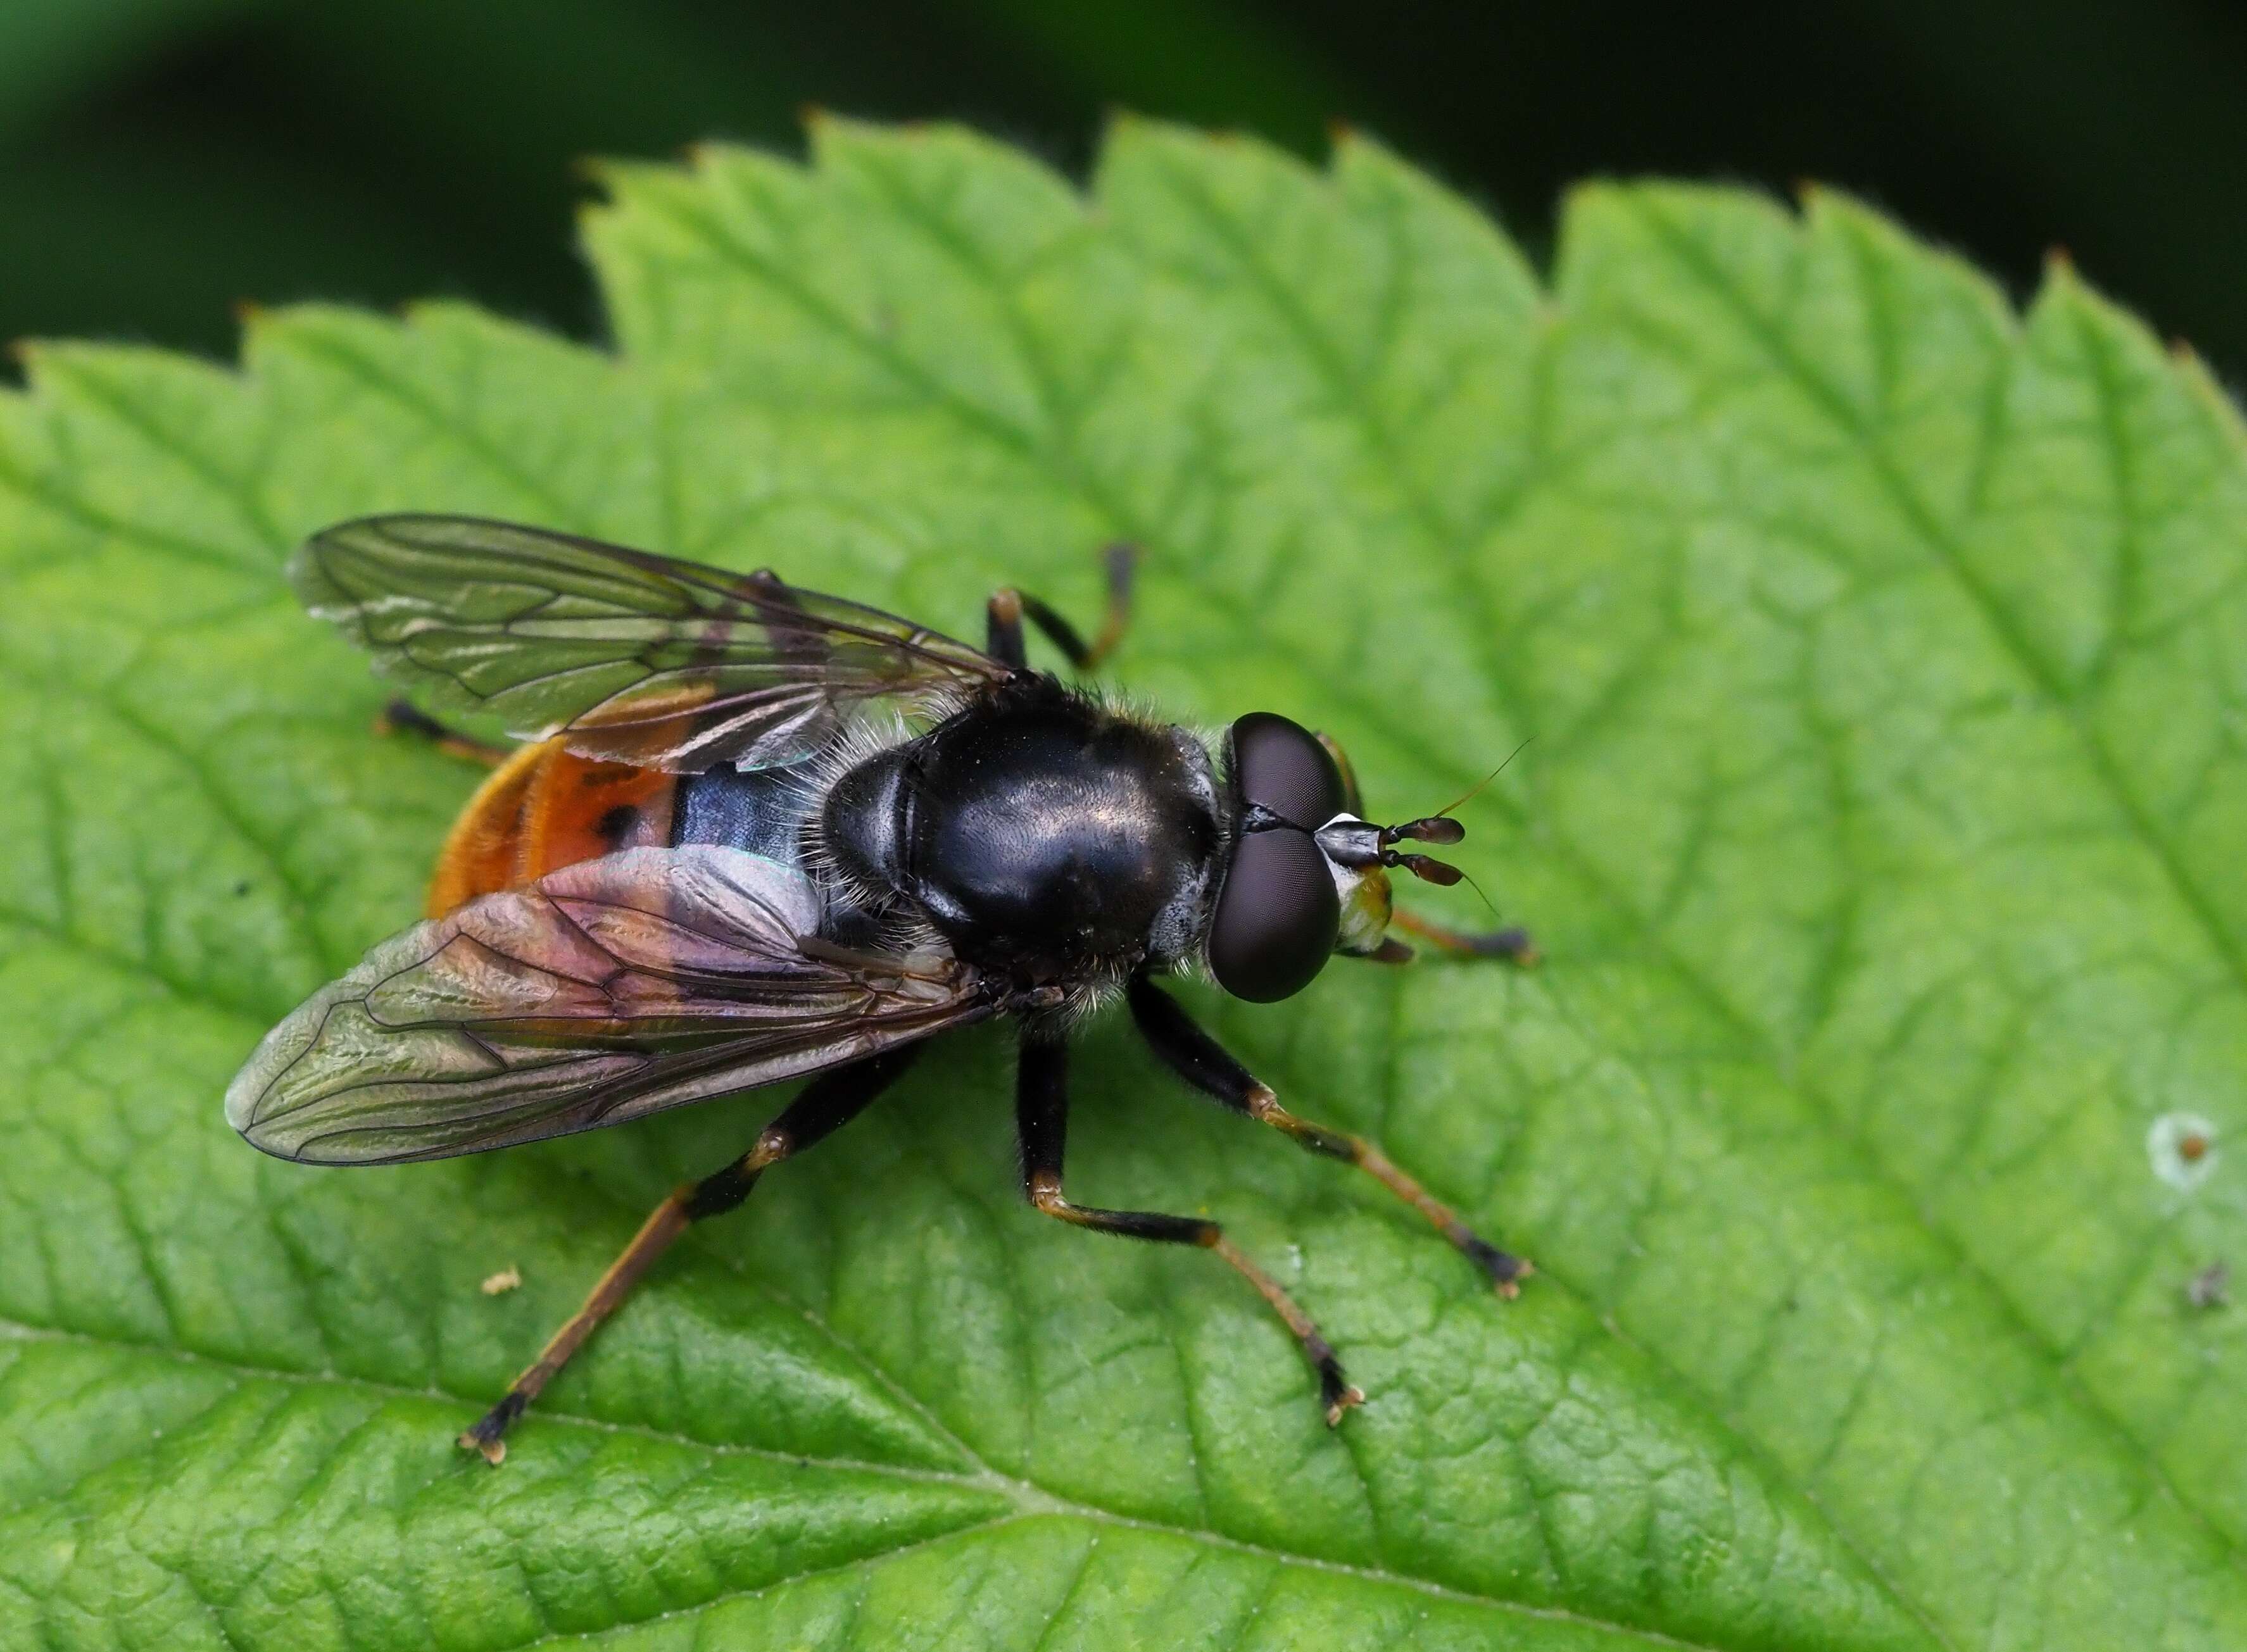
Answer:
(506, 1279)
(2210, 1287)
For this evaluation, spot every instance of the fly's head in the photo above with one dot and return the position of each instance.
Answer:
(1309, 876)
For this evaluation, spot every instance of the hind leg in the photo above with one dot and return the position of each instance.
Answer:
(403, 717)
(823, 1106)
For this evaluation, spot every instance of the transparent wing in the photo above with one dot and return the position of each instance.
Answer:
(606, 991)
(634, 657)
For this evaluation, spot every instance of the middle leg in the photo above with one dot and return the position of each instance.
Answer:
(1205, 1063)
(1041, 1125)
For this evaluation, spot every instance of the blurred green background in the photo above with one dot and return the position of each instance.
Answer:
(166, 158)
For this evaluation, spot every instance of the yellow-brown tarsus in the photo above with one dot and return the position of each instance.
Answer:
(1506, 1271)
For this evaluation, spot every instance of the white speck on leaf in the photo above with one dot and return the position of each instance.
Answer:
(2182, 1149)
(506, 1279)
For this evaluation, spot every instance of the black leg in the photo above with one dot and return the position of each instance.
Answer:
(1204, 1063)
(1008, 608)
(829, 1102)
(1041, 1125)
(403, 717)
(1002, 629)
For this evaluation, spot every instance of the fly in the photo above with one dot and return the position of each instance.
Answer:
(758, 834)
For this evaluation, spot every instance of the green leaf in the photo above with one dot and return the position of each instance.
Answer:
(1884, 655)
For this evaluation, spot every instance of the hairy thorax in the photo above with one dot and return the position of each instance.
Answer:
(1042, 835)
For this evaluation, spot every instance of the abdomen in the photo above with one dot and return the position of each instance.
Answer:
(542, 809)
(546, 808)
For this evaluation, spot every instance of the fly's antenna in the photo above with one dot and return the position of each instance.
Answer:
(1475, 790)
(1485, 899)
(1440, 828)
(1441, 873)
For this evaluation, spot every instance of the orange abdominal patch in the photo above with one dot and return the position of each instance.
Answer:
(544, 808)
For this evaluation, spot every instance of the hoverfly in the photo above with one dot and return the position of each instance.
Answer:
(762, 833)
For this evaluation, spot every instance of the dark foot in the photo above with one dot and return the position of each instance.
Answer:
(1513, 945)
(1336, 1393)
(404, 717)
(485, 1437)
(1507, 1270)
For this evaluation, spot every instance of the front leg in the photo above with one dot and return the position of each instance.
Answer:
(1204, 1063)
(1041, 1125)
(1510, 945)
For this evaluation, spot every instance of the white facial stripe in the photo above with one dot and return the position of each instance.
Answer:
(1364, 910)
(1346, 878)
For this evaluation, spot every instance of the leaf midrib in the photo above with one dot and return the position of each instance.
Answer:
(1032, 1501)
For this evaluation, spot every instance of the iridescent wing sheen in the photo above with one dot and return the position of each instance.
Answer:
(606, 991)
(631, 656)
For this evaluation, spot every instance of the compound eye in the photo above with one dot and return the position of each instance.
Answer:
(1284, 766)
(1278, 917)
